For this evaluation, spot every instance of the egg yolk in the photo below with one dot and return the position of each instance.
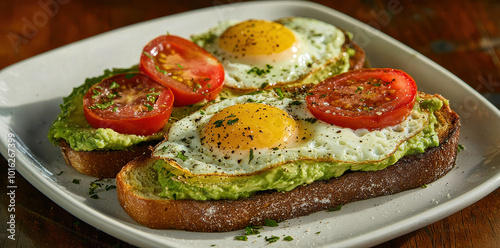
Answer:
(256, 37)
(249, 126)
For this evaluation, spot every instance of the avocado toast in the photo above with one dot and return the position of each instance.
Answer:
(155, 193)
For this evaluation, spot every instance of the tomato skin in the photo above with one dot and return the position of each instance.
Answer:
(192, 73)
(130, 103)
(364, 98)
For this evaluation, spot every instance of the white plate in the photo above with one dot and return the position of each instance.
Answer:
(32, 90)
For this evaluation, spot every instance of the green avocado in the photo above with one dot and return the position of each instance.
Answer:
(178, 184)
(72, 126)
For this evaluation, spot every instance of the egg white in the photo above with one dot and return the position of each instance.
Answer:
(317, 140)
(318, 44)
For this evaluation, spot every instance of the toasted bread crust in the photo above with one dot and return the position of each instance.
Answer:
(103, 163)
(226, 215)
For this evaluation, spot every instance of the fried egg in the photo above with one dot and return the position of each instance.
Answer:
(259, 53)
(255, 132)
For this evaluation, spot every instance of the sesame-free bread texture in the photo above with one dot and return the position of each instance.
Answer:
(137, 190)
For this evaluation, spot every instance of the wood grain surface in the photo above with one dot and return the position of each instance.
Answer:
(462, 36)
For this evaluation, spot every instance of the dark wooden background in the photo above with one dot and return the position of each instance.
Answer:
(462, 36)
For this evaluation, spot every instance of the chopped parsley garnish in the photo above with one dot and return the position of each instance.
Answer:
(109, 187)
(93, 187)
(112, 95)
(333, 209)
(280, 93)
(206, 38)
(162, 71)
(252, 230)
(242, 238)
(114, 85)
(103, 105)
(311, 120)
(232, 121)
(254, 92)
(218, 123)
(296, 103)
(460, 147)
(182, 156)
(251, 155)
(268, 222)
(196, 87)
(95, 93)
(148, 55)
(76, 181)
(272, 239)
(150, 108)
(97, 184)
(130, 75)
(259, 72)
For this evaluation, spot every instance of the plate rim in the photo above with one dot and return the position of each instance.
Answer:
(96, 218)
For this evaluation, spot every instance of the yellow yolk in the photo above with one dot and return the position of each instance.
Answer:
(256, 37)
(249, 126)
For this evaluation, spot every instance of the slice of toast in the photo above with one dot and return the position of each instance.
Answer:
(138, 190)
(358, 60)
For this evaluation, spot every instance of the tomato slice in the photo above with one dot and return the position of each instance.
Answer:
(129, 103)
(365, 98)
(190, 71)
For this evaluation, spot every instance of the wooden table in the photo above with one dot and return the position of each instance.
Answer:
(462, 36)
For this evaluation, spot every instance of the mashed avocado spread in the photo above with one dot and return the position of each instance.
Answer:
(177, 184)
